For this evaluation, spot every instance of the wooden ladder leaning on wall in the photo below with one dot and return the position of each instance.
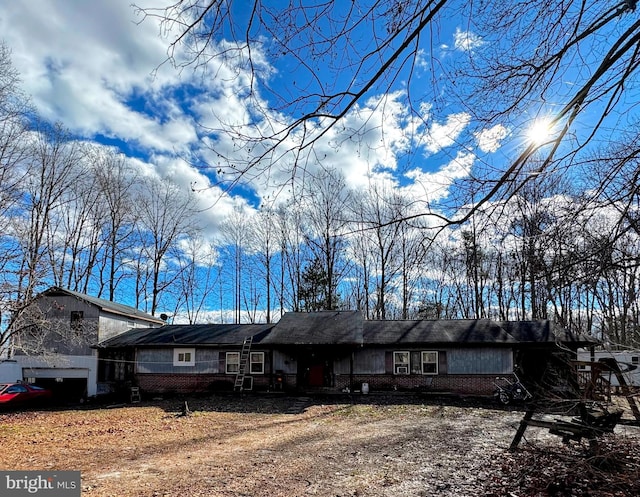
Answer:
(243, 365)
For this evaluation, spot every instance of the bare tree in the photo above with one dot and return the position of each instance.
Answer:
(235, 231)
(43, 329)
(413, 248)
(351, 71)
(439, 284)
(293, 255)
(509, 64)
(360, 251)
(52, 173)
(325, 201)
(13, 134)
(166, 215)
(74, 231)
(382, 212)
(14, 168)
(199, 275)
(116, 181)
(264, 238)
(613, 227)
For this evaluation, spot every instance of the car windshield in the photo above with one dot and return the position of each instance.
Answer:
(36, 387)
(16, 389)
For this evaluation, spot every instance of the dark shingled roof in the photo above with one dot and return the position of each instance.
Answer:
(349, 328)
(318, 328)
(544, 331)
(467, 331)
(103, 304)
(196, 334)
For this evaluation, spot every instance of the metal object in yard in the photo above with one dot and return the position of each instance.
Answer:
(134, 395)
(511, 390)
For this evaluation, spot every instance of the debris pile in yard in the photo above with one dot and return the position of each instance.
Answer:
(569, 470)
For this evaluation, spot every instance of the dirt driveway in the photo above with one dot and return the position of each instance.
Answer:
(278, 446)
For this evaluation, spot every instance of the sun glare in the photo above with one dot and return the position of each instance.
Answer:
(539, 132)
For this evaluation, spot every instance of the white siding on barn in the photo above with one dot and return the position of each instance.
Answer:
(111, 325)
(10, 371)
(479, 361)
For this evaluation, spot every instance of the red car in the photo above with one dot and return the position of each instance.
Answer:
(14, 394)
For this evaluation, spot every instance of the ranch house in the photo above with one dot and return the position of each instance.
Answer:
(333, 351)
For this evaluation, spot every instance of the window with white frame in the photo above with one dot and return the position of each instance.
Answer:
(232, 362)
(256, 363)
(184, 357)
(429, 362)
(401, 362)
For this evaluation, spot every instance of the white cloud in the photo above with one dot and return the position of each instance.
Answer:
(433, 186)
(466, 40)
(489, 140)
(82, 62)
(363, 144)
(440, 136)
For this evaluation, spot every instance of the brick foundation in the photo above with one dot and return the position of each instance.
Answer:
(460, 384)
(192, 383)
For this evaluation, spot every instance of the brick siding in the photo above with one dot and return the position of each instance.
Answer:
(190, 383)
(460, 384)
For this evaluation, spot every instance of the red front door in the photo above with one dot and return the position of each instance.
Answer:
(316, 375)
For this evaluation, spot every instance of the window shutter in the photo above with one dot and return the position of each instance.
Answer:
(442, 362)
(415, 364)
(388, 362)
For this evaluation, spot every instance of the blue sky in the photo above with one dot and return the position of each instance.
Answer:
(94, 67)
(100, 71)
